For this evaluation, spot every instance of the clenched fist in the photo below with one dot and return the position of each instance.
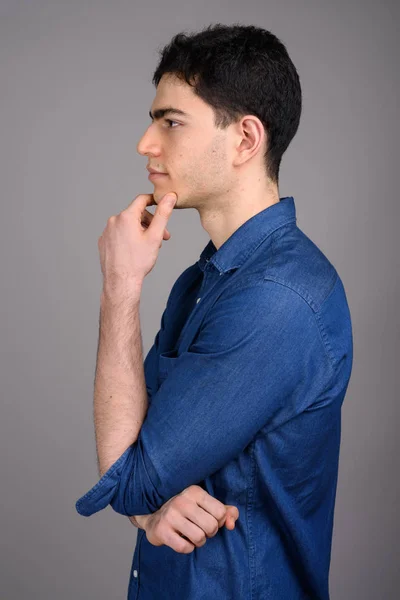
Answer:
(187, 520)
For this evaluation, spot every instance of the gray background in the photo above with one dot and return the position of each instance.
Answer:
(75, 94)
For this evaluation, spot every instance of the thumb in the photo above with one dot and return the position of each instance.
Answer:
(170, 199)
(232, 515)
(160, 218)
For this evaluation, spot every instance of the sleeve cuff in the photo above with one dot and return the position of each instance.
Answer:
(103, 492)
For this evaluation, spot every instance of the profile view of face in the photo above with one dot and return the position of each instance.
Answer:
(185, 146)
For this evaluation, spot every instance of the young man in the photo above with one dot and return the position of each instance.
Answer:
(239, 401)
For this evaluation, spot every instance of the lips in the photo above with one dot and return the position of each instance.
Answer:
(154, 176)
(151, 170)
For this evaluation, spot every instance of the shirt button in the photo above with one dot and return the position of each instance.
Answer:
(135, 573)
(198, 300)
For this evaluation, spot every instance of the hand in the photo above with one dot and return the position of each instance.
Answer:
(130, 242)
(188, 519)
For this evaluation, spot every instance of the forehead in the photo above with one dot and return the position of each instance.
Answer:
(170, 85)
(172, 91)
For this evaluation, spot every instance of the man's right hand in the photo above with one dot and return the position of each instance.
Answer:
(187, 520)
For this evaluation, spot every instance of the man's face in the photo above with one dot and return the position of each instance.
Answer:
(189, 149)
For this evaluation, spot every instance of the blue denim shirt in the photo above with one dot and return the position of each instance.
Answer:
(246, 379)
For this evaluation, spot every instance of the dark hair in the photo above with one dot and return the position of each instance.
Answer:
(238, 70)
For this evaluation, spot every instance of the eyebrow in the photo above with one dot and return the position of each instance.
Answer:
(161, 112)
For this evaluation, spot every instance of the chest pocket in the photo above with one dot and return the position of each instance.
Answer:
(166, 363)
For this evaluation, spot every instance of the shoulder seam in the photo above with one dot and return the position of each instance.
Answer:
(322, 333)
(301, 291)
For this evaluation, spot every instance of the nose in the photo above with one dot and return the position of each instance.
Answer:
(148, 144)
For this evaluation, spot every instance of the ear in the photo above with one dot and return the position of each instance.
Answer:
(251, 137)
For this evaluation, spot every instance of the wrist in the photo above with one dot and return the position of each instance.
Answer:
(140, 521)
(121, 293)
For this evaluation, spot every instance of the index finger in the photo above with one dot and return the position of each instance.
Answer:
(140, 202)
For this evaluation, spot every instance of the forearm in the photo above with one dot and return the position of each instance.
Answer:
(120, 395)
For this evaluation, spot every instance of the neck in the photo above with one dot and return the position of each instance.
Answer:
(225, 214)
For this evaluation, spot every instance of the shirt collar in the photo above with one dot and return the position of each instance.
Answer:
(242, 243)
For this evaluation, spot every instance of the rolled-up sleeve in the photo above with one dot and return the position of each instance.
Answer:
(258, 360)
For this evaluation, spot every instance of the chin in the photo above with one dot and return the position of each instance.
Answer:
(159, 196)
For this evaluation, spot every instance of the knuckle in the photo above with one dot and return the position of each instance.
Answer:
(171, 514)
(176, 502)
(214, 531)
(200, 539)
(125, 216)
(168, 539)
(203, 495)
(160, 530)
(181, 500)
(221, 512)
(192, 489)
(182, 546)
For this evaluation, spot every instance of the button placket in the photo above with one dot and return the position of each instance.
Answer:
(203, 292)
(133, 589)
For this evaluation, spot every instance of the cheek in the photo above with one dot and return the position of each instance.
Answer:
(199, 173)
(217, 158)
(192, 167)
(215, 165)
(202, 169)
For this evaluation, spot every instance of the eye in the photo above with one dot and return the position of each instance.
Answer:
(170, 121)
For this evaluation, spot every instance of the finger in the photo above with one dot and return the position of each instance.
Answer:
(147, 217)
(232, 510)
(200, 517)
(232, 515)
(139, 203)
(161, 216)
(212, 505)
(146, 220)
(190, 531)
(179, 543)
(166, 235)
(232, 521)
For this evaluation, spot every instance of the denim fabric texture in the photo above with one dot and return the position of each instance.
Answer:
(246, 379)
